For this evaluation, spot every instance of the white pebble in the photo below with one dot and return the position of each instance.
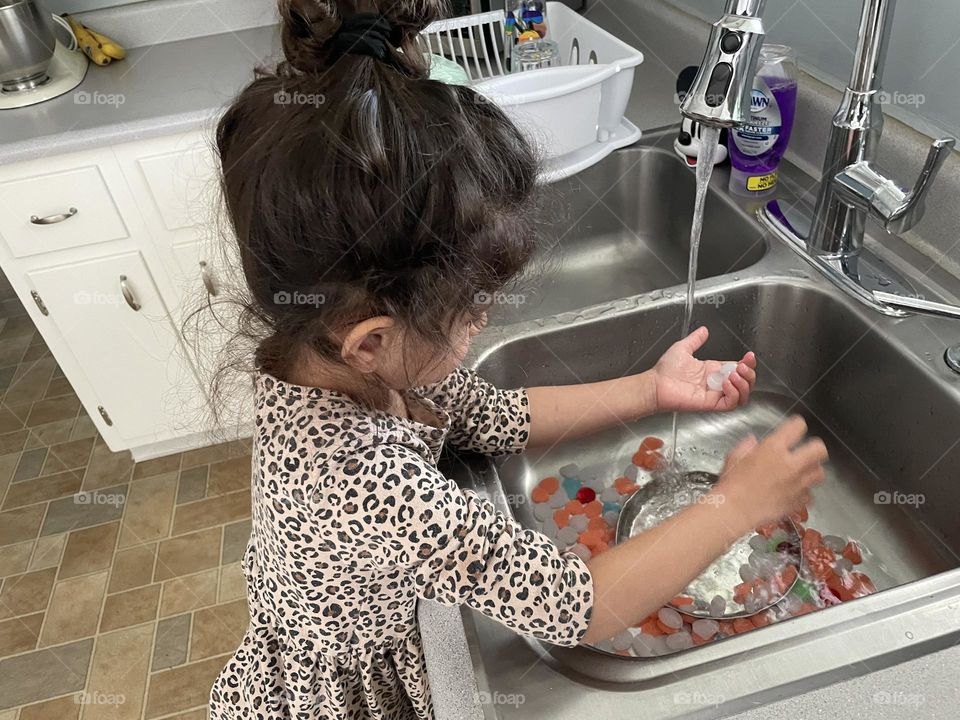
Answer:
(610, 494)
(647, 645)
(582, 551)
(758, 543)
(748, 573)
(541, 511)
(611, 517)
(579, 522)
(570, 471)
(567, 536)
(728, 367)
(834, 542)
(595, 483)
(631, 473)
(705, 629)
(843, 565)
(605, 645)
(718, 606)
(558, 499)
(550, 528)
(778, 536)
(623, 641)
(679, 641)
(671, 618)
(715, 381)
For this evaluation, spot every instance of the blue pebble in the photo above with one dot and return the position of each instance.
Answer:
(611, 507)
(570, 486)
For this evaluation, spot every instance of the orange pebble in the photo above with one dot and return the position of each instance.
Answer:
(741, 591)
(651, 443)
(574, 507)
(666, 629)
(726, 627)
(650, 461)
(767, 530)
(742, 625)
(610, 535)
(820, 560)
(800, 516)
(596, 523)
(599, 548)
(640, 457)
(853, 553)
(789, 575)
(561, 517)
(811, 539)
(697, 640)
(865, 585)
(804, 609)
(594, 510)
(681, 600)
(539, 494)
(550, 484)
(650, 627)
(590, 538)
(760, 620)
(622, 484)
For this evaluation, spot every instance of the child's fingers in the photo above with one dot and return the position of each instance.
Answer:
(742, 386)
(747, 373)
(731, 393)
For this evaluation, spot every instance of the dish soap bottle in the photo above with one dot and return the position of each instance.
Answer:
(757, 147)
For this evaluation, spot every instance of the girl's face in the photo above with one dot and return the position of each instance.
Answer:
(436, 369)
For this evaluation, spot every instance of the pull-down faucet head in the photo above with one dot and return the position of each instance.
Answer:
(720, 94)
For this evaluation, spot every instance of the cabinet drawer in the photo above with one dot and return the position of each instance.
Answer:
(182, 183)
(52, 211)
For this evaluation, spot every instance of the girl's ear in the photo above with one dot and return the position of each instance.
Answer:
(367, 343)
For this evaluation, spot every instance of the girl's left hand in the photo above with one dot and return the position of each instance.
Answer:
(681, 379)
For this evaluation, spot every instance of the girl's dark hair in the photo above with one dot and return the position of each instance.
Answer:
(356, 187)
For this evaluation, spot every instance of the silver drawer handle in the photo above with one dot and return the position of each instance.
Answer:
(207, 279)
(128, 294)
(53, 219)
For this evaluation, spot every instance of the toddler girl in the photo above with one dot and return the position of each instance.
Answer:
(371, 207)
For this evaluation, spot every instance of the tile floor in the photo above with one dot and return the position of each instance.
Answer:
(121, 594)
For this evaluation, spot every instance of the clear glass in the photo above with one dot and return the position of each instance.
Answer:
(535, 54)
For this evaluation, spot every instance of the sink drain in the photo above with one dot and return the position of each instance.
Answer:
(952, 358)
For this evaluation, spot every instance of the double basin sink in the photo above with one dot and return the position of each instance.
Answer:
(606, 300)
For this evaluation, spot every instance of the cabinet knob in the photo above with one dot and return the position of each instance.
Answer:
(128, 294)
(207, 279)
(53, 219)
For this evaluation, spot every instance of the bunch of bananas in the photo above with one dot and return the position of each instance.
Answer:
(99, 48)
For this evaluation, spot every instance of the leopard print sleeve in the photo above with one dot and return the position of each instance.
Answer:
(483, 418)
(459, 550)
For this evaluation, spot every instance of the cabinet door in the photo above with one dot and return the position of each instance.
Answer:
(112, 319)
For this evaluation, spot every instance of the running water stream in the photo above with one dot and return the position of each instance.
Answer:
(709, 141)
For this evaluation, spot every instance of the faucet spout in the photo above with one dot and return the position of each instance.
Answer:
(720, 93)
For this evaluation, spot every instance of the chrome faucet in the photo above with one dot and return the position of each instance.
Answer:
(852, 188)
(720, 93)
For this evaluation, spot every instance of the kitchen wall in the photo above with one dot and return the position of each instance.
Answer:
(923, 64)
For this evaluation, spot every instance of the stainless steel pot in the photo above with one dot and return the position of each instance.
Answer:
(27, 43)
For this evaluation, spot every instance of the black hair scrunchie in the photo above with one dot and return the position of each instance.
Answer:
(366, 34)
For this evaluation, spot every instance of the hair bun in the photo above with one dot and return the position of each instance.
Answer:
(308, 26)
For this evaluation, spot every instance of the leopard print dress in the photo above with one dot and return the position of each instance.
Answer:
(352, 523)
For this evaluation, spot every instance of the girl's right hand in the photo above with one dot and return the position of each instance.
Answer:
(765, 481)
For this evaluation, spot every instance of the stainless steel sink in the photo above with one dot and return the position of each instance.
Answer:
(874, 387)
(622, 228)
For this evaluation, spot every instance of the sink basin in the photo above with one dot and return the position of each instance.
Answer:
(627, 220)
(889, 420)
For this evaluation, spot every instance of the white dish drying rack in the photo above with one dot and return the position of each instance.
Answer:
(573, 113)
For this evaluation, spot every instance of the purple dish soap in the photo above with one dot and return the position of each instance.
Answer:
(757, 147)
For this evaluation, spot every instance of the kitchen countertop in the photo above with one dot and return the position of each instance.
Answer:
(178, 86)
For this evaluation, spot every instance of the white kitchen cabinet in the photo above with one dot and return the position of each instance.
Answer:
(112, 320)
(70, 227)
